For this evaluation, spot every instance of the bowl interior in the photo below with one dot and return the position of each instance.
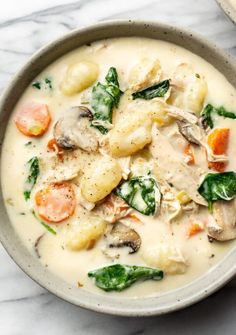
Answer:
(179, 298)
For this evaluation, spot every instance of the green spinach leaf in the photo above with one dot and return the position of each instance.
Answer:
(218, 186)
(118, 277)
(112, 77)
(208, 112)
(157, 91)
(52, 231)
(37, 84)
(141, 193)
(104, 98)
(48, 82)
(33, 173)
(223, 112)
(45, 83)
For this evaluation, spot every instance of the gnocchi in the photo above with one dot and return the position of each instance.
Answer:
(100, 179)
(189, 89)
(79, 76)
(156, 110)
(145, 73)
(166, 257)
(85, 235)
(130, 135)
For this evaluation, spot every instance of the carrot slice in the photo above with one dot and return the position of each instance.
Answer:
(217, 166)
(33, 119)
(56, 202)
(195, 226)
(188, 152)
(134, 217)
(218, 141)
(53, 146)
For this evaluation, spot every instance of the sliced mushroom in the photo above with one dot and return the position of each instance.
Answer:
(74, 130)
(189, 128)
(36, 245)
(191, 132)
(124, 236)
(223, 224)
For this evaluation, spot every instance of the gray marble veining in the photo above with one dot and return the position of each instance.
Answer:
(25, 307)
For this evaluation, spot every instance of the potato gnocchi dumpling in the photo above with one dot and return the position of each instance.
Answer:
(166, 257)
(86, 233)
(189, 89)
(100, 179)
(130, 135)
(156, 109)
(79, 76)
(144, 74)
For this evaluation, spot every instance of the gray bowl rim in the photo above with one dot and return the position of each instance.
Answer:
(200, 288)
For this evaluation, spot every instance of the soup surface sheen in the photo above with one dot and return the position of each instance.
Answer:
(168, 239)
(233, 3)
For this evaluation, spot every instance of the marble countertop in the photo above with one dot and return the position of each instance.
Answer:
(25, 307)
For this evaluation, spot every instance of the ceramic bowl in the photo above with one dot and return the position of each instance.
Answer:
(200, 288)
(228, 8)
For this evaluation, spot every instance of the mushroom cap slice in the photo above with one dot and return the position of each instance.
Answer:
(37, 243)
(191, 132)
(74, 130)
(124, 236)
(189, 128)
(223, 224)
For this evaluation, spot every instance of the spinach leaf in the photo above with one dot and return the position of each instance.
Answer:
(206, 117)
(112, 77)
(52, 231)
(45, 83)
(102, 104)
(141, 193)
(104, 98)
(223, 112)
(218, 186)
(118, 277)
(33, 172)
(156, 91)
(37, 84)
(209, 111)
(48, 82)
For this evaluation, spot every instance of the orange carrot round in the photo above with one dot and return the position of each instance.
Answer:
(54, 147)
(33, 119)
(218, 141)
(56, 202)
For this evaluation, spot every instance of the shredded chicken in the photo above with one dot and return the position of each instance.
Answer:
(222, 225)
(112, 209)
(172, 168)
(192, 132)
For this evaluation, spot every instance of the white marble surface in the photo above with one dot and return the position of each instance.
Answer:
(26, 308)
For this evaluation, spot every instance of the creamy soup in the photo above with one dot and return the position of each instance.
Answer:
(233, 3)
(120, 154)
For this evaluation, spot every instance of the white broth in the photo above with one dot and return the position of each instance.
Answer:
(190, 256)
(233, 3)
